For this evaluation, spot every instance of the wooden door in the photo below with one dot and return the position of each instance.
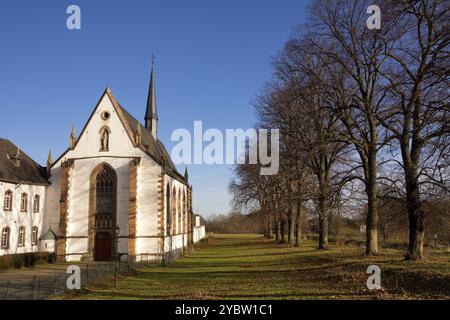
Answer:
(103, 247)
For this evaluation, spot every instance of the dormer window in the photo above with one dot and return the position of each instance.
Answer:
(15, 159)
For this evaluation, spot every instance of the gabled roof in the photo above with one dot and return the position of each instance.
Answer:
(49, 235)
(154, 148)
(27, 172)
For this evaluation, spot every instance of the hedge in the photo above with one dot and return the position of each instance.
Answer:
(27, 260)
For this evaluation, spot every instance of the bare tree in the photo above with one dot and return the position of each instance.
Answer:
(418, 112)
(306, 123)
(353, 56)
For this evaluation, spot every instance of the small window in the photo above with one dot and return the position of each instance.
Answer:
(23, 202)
(21, 236)
(7, 205)
(36, 203)
(5, 238)
(34, 236)
(106, 115)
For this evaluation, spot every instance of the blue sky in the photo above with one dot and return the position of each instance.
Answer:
(212, 58)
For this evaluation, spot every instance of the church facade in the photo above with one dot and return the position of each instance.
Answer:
(114, 191)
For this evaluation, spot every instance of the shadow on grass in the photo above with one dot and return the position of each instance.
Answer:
(255, 268)
(205, 295)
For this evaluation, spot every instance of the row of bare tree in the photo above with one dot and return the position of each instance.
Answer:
(360, 112)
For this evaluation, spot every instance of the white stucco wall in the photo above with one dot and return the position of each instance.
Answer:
(199, 233)
(14, 219)
(172, 243)
(48, 245)
(147, 222)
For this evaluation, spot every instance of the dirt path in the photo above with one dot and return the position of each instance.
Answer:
(43, 272)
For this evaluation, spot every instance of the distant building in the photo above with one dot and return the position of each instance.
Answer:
(115, 177)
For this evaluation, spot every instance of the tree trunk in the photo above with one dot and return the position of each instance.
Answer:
(291, 224)
(278, 230)
(269, 228)
(323, 223)
(323, 232)
(266, 225)
(416, 215)
(323, 209)
(282, 230)
(338, 222)
(416, 235)
(298, 224)
(372, 210)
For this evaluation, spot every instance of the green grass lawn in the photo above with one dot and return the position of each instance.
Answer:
(250, 267)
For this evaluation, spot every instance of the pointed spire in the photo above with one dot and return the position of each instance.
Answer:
(49, 163)
(186, 175)
(151, 116)
(73, 139)
(49, 158)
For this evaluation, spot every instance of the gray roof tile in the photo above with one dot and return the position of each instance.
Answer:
(29, 171)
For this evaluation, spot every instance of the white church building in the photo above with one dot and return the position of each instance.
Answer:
(114, 191)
